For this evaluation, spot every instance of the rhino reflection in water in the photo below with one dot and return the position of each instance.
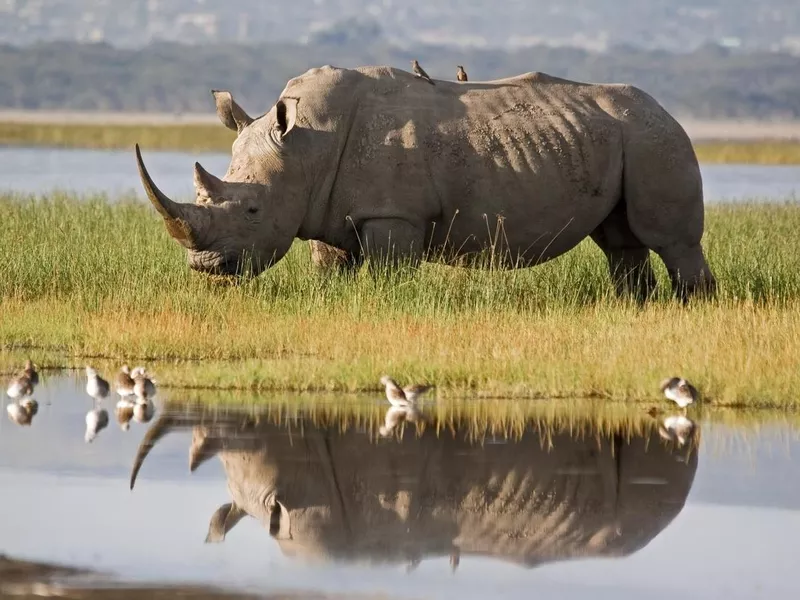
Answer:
(331, 494)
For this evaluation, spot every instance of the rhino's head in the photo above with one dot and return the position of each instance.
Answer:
(248, 219)
(254, 483)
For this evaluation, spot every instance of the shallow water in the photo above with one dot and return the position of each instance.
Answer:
(40, 170)
(626, 515)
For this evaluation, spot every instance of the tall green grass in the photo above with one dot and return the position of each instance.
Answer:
(191, 137)
(88, 278)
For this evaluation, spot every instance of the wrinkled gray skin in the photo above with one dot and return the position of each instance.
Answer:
(326, 494)
(375, 159)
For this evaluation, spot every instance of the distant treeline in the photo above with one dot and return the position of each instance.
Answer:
(711, 82)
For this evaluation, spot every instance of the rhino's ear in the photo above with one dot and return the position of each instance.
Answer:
(231, 114)
(222, 521)
(286, 110)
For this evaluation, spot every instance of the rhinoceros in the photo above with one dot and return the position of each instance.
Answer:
(373, 162)
(328, 493)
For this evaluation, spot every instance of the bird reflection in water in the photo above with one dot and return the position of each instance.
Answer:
(677, 428)
(23, 411)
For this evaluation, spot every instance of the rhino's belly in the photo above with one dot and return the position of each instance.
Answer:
(529, 192)
(523, 229)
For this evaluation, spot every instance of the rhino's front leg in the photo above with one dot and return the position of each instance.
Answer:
(392, 242)
(330, 259)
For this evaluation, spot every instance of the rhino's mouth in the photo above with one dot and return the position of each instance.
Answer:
(218, 263)
(214, 263)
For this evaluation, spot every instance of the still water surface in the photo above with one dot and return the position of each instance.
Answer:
(40, 170)
(339, 508)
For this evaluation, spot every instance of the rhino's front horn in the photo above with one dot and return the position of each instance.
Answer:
(185, 222)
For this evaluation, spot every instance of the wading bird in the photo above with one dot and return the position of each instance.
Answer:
(96, 386)
(24, 382)
(403, 397)
(680, 391)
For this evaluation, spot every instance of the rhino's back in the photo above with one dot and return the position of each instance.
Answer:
(378, 89)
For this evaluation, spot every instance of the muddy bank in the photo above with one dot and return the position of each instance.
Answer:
(23, 579)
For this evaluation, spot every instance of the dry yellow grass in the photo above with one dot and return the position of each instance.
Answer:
(71, 289)
(736, 353)
(763, 152)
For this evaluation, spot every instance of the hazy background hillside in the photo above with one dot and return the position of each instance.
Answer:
(676, 25)
(715, 59)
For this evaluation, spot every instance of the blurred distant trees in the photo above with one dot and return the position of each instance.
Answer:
(710, 82)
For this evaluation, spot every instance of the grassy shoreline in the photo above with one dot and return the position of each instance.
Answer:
(86, 279)
(207, 137)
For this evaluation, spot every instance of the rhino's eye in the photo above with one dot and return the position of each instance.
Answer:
(252, 210)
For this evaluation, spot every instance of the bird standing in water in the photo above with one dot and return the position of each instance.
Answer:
(420, 72)
(123, 384)
(403, 397)
(96, 386)
(680, 391)
(461, 74)
(143, 386)
(24, 382)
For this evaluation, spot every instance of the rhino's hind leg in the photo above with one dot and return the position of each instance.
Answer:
(663, 191)
(628, 258)
(688, 270)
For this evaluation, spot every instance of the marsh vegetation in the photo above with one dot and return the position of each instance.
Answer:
(202, 137)
(84, 277)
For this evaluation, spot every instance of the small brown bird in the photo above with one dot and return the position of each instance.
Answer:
(461, 74)
(143, 386)
(680, 391)
(22, 385)
(123, 384)
(403, 397)
(96, 386)
(30, 371)
(420, 72)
